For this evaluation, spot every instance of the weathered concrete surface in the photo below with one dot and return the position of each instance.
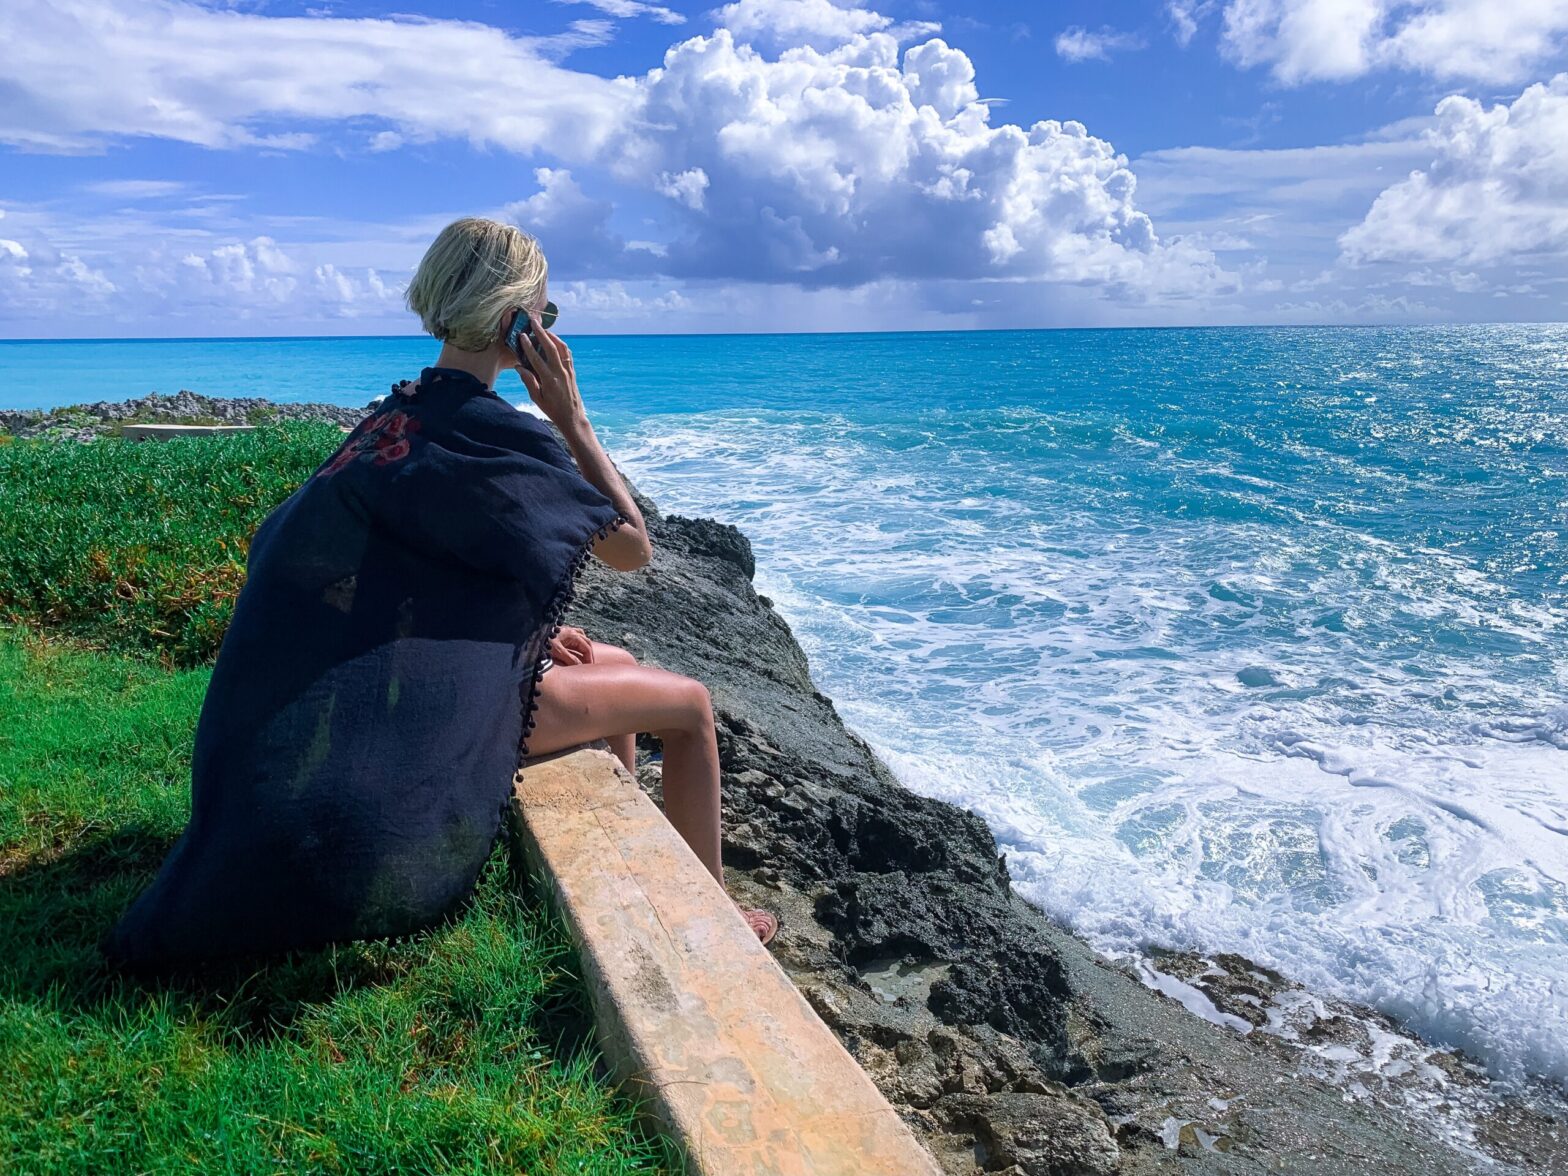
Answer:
(166, 432)
(692, 1011)
(1004, 1040)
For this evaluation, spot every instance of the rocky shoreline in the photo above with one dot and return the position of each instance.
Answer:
(1008, 1043)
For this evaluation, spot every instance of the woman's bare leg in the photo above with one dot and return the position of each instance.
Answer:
(580, 703)
(624, 746)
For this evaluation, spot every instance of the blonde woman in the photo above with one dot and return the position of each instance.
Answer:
(397, 647)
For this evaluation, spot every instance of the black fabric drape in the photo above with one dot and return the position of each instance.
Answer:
(373, 693)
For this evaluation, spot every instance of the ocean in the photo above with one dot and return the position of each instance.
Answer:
(1248, 640)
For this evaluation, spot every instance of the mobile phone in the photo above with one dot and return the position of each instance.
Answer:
(523, 325)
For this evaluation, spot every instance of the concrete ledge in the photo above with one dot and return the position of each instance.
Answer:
(692, 1012)
(164, 432)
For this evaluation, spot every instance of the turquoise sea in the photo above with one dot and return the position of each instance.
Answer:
(1245, 640)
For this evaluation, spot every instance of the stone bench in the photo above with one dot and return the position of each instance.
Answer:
(693, 1014)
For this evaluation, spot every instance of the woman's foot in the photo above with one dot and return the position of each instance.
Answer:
(764, 923)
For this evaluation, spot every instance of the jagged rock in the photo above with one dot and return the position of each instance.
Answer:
(1045, 1134)
(1002, 1038)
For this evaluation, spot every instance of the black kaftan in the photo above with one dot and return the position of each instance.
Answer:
(367, 709)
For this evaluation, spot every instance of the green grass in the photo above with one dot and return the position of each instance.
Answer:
(461, 1050)
(464, 1049)
(141, 547)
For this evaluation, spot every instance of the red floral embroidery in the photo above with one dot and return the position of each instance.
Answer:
(386, 441)
(345, 455)
(360, 428)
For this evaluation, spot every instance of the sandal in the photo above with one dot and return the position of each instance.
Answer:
(764, 923)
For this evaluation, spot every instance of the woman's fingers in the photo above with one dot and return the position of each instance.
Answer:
(548, 345)
(563, 654)
(526, 346)
(571, 647)
(562, 348)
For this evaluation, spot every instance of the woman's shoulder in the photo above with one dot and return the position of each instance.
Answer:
(502, 421)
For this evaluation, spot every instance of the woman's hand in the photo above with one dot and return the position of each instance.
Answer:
(552, 384)
(553, 387)
(571, 647)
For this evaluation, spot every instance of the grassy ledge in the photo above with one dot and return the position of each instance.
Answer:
(464, 1049)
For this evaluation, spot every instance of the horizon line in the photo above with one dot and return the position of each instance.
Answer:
(809, 334)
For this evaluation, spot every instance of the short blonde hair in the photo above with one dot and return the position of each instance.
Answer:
(473, 273)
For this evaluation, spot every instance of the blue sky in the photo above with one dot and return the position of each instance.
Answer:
(181, 168)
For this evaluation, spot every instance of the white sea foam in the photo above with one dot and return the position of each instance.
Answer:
(1246, 726)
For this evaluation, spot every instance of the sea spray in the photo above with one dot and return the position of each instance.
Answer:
(1258, 645)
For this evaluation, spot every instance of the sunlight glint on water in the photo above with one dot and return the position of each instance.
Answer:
(1249, 640)
(1252, 641)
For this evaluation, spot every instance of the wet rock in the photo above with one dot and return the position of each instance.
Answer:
(1256, 676)
(1002, 1038)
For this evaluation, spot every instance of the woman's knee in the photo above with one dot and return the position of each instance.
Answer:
(694, 705)
(611, 655)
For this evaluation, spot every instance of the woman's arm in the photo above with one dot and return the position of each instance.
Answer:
(627, 548)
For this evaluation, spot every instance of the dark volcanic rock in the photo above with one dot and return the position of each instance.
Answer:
(1006, 1042)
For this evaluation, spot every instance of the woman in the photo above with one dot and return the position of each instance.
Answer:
(396, 649)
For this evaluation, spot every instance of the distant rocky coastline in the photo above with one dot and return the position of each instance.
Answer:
(83, 422)
(1007, 1042)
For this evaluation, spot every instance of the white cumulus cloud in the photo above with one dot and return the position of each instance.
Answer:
(249, 268)
(1335, 40)
(574, 227)
(803, 142)
(686, 187)
(854, 162)
(36, 276)
(793, 22)
(1496, 189)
